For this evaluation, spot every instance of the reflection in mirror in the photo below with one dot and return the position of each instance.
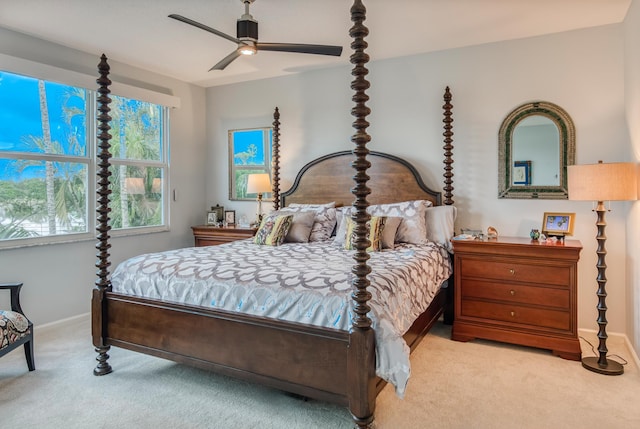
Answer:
(536, 143)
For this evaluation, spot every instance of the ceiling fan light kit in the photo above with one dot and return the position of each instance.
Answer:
(247, 40)
(247, 49)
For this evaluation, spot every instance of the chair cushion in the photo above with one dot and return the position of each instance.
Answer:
(13, 327)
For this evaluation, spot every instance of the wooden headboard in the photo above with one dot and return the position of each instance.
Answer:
(330, 178)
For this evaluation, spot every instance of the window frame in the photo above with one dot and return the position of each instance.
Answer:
(265, 167)
(91, 162)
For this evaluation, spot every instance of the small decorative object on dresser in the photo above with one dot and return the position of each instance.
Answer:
(230, 217)
(558, 224)
(534, 234)
(518, 291)
(216, 215)
(212, 218)
(207, 235)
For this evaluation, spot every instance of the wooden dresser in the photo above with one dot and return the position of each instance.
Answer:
(206, 235)
(518, 291)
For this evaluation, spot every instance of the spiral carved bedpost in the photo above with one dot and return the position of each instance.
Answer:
(103, 283)
(448, 191)
(361, 362)
(448, 148)
(275, 160)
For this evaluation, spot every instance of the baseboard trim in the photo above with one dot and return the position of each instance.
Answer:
(616, 338)
(61, 323)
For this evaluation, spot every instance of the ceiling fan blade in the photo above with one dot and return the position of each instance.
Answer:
(335, 51)
(203, 27)
(226, 60)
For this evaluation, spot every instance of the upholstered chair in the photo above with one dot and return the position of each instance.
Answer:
(15, 328)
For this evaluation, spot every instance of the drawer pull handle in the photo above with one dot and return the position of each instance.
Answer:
(513, 314)
(513, 292)
(512, 271)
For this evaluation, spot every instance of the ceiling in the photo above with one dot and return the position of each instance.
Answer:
(139, 33)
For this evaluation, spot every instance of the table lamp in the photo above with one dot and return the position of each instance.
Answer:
(258, 183)
(602, 182)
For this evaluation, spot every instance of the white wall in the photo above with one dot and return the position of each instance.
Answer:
(632, 103)
(581, 71)
(58, 278)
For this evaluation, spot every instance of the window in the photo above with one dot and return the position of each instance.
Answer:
(47, 165)
(138, 164)
(249, 152)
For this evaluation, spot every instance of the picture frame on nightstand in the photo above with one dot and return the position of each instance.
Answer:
(230, 217)
(212, 218)
(558, 224)
(215, 215)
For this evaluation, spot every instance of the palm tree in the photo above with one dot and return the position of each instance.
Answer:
(49, 173)
(65, 187)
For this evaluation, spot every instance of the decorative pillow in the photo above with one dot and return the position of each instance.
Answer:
(389, 232)
(273, 229)
(324, 221)
(301, 225)
(413, 228)
(375, 228)
(440, 222)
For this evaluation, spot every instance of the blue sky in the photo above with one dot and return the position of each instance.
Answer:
(20, 115)
(241, 141)
(20, 111)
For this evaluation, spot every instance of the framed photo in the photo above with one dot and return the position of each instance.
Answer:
(215, 215)
(219, 210)
(230, 217)
(559, 224)
(522, 173)
(212, 218)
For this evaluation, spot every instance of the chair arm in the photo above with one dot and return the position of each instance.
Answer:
(15, 295)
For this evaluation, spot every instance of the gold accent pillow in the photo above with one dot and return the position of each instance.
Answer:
(375, 226)
(273, 229)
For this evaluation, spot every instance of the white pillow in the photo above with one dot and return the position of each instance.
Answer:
(324, 220)
(440, 225)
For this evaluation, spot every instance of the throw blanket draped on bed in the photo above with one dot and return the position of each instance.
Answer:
(307, 283)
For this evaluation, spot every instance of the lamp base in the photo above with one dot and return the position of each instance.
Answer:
(611, 368)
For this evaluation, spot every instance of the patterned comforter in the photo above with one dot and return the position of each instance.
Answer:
(307, 283)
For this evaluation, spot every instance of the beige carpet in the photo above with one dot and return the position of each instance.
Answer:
(454, 385)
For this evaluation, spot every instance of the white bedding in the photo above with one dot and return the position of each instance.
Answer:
(308, 283)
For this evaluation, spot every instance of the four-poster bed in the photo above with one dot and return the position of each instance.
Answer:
(316, 361)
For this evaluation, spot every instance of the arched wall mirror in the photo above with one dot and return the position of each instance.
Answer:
(536, 142)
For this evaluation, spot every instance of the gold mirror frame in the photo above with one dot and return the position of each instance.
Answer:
(566, 131)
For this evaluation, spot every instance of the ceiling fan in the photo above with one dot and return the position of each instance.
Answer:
(247, 40)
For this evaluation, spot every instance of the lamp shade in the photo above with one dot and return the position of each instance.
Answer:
(258, 183)
(603, 182)
(134, 185)
(156, 185)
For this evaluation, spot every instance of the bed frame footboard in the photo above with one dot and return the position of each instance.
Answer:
(297, 358)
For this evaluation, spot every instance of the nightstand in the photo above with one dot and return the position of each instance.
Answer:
(207, 235)
(518, 291)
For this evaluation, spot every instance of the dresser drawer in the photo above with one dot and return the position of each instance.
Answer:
(535, 317)
(517, 294)
(516, 272)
